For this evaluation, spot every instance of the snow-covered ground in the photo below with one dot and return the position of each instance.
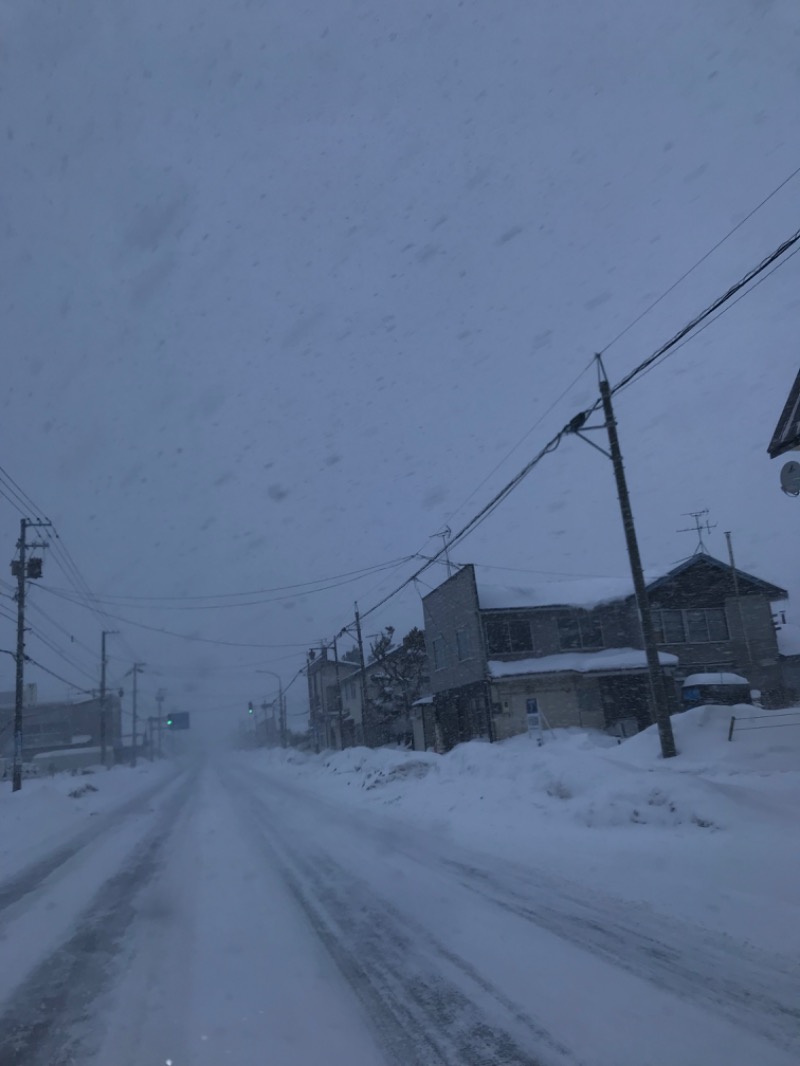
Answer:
(50, 811)
(581, 903)
(703, 836)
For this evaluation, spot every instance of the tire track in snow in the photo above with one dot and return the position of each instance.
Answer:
(427, 1004)
(30, 878)
(744, 985)
(47, 1021)
(688, 962)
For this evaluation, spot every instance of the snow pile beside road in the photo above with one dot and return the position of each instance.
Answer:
(703, 836)
(582, 777)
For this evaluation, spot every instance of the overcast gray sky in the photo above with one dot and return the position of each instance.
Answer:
(284, 284)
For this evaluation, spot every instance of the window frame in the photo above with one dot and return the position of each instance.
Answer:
(573, 619)
(719, 624)
(510, 644)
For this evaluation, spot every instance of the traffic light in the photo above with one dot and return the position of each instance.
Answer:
(170, 720)
(250, 707)
(177, 720)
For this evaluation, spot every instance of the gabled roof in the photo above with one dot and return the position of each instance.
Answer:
(787, 432)
(773, 592)
(584, 592)
(592, 592)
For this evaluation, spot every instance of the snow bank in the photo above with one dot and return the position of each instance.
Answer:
(704, 832)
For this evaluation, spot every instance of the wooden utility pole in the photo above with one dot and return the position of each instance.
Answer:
(658, 692)
(160, 696)
(339, 707)
(22, 569)
(103, 694)
(735, 577)
(135, 670)
(366, 724)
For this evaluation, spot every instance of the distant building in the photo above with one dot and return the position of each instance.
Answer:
(571, 653)
(332, 725)
(337, 714)
(56, 726)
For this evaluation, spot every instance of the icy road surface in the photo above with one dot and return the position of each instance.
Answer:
(224, 917)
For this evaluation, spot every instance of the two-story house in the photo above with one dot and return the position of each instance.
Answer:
(330, 723)
(572, 652)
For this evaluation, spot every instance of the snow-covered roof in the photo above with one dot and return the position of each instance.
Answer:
(583, 592)
(789, 639)
(591, 592)
(715, 679)
(579, 662)
(422, 701)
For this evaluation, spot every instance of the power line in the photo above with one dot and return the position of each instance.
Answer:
(522, 439)
(701, 260)
(307, 591)
(580, 419)
(172, 632)
(129, 601)
(716, 317)
(698, 319)
(58, 677)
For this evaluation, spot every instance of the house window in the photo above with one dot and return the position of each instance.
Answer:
(579, 631)
(504, 636)
(717, 624)
(463, 645)
(700, 625)
(439, 661)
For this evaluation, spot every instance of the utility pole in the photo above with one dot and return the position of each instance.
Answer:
(23, 569)
(282, 715)
(366, 724)
(735, 576)
(339, 694)
(160, 697)
(658, 691)
(103, 697)
(135, 670)
(281, 705)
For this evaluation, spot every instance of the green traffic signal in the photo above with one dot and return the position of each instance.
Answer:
(169, 721)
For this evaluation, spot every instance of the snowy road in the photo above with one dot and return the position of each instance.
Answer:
(229, 917)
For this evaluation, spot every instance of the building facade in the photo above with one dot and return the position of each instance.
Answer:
(504, 660)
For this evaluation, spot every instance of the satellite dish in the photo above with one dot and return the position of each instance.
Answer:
(790, 478)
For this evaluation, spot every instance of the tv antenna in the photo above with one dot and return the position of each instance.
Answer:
(701, 526)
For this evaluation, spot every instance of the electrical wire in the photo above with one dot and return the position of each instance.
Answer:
(522, 439)
(130, 601)
(578, 421)
(711, 321)
(58, 677)
(233, 606)
(174, 633)
(701, 260)
(751, 275)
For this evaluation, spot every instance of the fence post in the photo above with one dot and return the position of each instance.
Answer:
(730, 730)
